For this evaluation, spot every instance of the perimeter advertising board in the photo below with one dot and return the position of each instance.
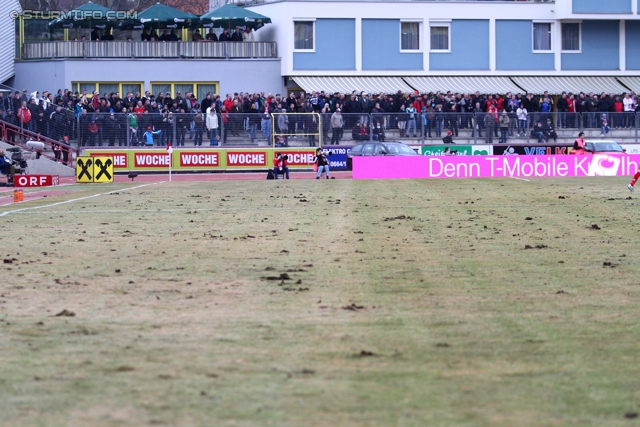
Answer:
(457, 150)
(631, 148)
(531, 150)
(376, 167)
(205, 159)
(36, 180)
(337, 156)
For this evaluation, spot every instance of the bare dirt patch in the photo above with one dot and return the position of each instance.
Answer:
(409, 302)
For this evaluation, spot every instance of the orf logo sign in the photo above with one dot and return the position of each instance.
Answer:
(36, 180)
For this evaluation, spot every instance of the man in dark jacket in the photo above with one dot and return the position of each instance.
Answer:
(550, 131)
(206, 103)
(83, 124)
(12, 120)
(57, 124)
(172, 37)
(582, 106)
(237, 35)
(123, 125)
(593, 111)
(110, 126)
(41, 123)
(225, 37)
(365, 108)
(562, 106)
(351, 108)
(211, 37)
(604, 105)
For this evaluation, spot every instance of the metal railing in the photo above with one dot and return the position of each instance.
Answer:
(257, 2)
(133, 49)
(305, 130)
(20, 134)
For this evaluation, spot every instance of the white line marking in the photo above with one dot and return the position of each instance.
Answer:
(520, 179)
(9, 193)
(76, 200)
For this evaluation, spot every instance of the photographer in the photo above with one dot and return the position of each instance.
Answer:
(378, 132)
(280, 165)
(448, 139)
(7, 168)
(322, 163)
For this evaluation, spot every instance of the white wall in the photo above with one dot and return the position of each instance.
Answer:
(236, 75)
(7, 38)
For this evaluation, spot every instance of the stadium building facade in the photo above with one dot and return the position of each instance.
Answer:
(373, 46)
(439, 45)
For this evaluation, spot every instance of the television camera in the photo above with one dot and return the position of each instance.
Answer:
(18, 159)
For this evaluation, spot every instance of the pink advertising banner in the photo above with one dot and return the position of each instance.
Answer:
(411, 167)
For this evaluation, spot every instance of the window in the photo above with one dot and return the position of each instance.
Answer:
(106, 87)
(440, 40)
(183, 89)
(89, 87)
(203, 89)
(109, 88)
(200, 90)
(571, 37)
(541, 36)
(303, 35)
(131, 87)
(409, 36)
(157, 88)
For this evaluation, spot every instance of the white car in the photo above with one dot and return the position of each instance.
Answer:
(603, 147)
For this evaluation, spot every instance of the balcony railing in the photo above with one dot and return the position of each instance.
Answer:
(127, 49)
(248, 3)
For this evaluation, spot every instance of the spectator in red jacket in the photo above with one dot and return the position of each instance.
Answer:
(24, 115)
(618, 108)
(280, 165)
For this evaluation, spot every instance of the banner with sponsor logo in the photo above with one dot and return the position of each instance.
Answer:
(206, 159)
(531, 150)
(631, 148)
(388, 167)
(94, 169)
(36, 180)
(457, 150)
(338, 157)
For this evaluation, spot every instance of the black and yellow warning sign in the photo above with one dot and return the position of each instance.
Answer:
(94, 169)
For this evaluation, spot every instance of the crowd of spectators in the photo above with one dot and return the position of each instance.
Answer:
(109, 119)
(239, 35)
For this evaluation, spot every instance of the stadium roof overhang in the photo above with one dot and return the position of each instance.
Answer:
(469, 84)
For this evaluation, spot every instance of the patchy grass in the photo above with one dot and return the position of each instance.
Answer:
(372, 303)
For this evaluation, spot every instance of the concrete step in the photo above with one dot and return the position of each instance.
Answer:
(44, 166)
(567, 133)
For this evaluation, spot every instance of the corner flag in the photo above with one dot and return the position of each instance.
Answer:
(169, 151)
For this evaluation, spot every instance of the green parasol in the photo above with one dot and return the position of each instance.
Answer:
(89, 15)
(161, 16)
(232, 16)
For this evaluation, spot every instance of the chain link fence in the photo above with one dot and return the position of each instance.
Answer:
(318, 129)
